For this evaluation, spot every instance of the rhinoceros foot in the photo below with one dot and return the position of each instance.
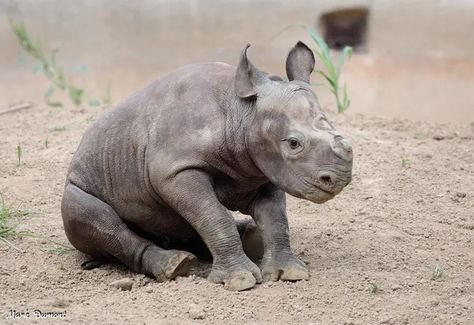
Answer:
(172, 264)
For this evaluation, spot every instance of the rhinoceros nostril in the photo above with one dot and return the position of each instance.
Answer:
(327, 179)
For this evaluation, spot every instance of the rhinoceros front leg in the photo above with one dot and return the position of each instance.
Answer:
(190, 193)
(269, 212)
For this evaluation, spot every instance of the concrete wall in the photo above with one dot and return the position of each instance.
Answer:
(419, 63)
(432, 28)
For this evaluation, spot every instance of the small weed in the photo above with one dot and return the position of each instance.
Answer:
(332, 72)
(46, 63)
(419, 136)
(5, 219)
(94, 102)
(18, 154)
(6, 216)
(7, 229)
(438, 272)
(47, 98)
(49, 67)
(374, 288)
(61, 267)
(59, 129)
(404, 161)
(59, 249)
(46, 143)
(90, 119)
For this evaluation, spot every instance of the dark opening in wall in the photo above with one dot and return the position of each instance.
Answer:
(345, 27)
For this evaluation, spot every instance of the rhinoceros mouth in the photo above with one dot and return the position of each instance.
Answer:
(318, 195)
(313, 186)
(325, 191)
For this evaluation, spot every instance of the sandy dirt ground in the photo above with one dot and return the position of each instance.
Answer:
(395, 247)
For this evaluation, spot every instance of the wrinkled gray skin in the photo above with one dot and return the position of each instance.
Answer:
(167, 165)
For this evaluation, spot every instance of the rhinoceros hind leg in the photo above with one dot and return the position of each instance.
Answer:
(93, 227)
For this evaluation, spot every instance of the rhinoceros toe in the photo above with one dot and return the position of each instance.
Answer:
(286, 269)
(240, 281)
(241, 276)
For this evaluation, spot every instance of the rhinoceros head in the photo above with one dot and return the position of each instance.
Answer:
(290, 139)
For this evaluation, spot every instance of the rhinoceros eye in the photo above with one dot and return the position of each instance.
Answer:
(294, 143)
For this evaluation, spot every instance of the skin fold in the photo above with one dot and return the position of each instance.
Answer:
(156, 176)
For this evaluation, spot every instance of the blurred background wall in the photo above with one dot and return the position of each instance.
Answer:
(414, 59)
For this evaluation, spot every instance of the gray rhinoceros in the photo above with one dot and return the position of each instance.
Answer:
(168, 164)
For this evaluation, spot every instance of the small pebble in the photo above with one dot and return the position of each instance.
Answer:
(396, 287)
(60, 303)
(196, 312)
(124, 284)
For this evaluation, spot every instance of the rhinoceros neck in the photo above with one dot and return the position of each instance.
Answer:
(239, 115)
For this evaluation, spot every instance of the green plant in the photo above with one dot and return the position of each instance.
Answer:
(94, 102)
(419, 135)
(374, 288)
(59, 129)
(5, 217)
(18, 154)
(6, 227)
(332, 71)
(59, 249)
(51, 70)
(46, 143)
(438, 271)
(49, 66)
(404, 160)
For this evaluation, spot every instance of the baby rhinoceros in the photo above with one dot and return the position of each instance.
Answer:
(161, 171)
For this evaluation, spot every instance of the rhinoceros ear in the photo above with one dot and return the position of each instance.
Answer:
(246, 76)
(300, 63)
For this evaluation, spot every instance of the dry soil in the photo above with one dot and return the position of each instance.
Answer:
(395, 247)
